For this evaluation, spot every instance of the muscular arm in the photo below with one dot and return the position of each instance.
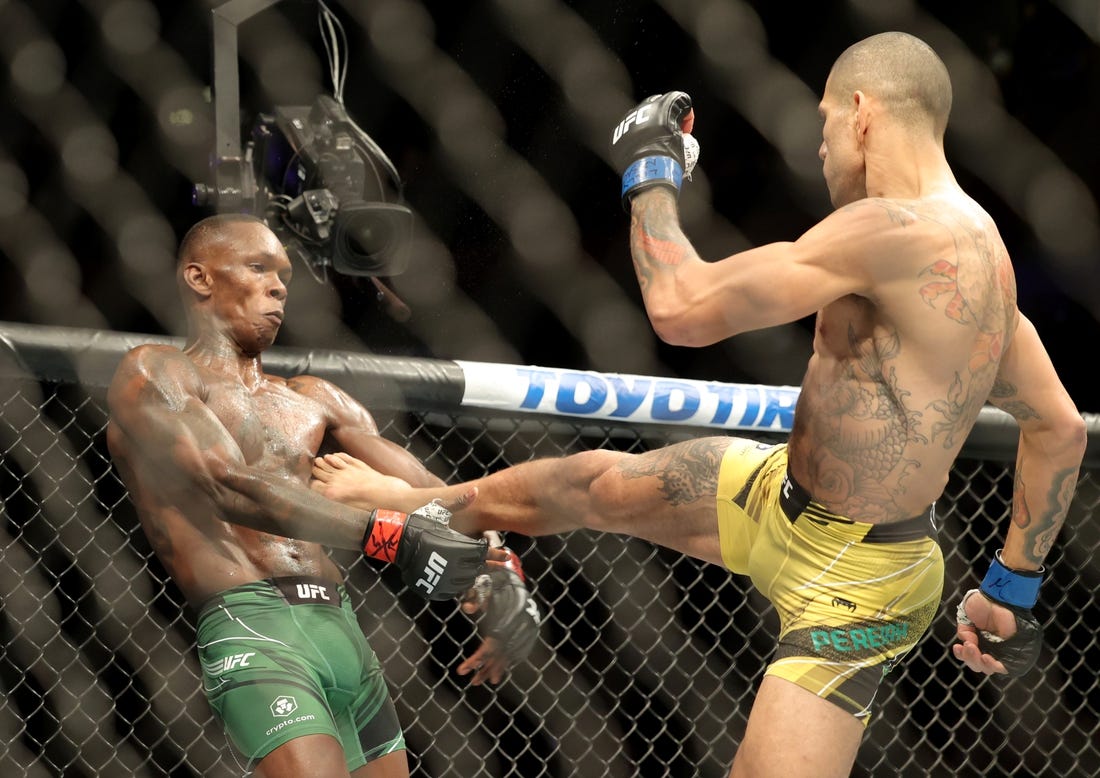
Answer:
(1052, 445)
(162, 429)
(694, 303)
(352, 429)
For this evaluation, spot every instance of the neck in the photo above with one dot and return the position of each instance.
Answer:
(219, 352)
(908, 170)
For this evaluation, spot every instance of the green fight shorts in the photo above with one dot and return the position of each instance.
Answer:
(852, 597)
(285, 657)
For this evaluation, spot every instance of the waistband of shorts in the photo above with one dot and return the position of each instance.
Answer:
(796, 501)
(291, 589)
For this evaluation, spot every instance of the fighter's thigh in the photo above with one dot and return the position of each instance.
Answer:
(666, 496)
(307, 755)
(793, 733)
(395, 765)
(266, 710)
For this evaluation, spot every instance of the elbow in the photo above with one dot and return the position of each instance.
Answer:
(1071, 431)
(1077, 436)
(670, 333)
(1064, 436)
(677, 327)
(223, 483)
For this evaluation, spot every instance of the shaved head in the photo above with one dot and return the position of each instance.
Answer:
(901, 71)
(212, 229)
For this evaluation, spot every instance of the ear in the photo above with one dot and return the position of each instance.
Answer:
(198, 279)
(861, 109)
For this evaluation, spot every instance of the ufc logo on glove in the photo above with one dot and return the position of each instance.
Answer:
(433, 571)
(639, 116)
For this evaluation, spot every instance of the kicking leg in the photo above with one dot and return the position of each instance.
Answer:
(666, 496)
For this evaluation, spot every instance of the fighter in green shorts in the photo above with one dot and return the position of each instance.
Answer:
(285, 657)
(852, 597)
(217, 454)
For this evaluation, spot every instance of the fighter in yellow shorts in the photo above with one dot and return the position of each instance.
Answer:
(852, 597)
(917, 329)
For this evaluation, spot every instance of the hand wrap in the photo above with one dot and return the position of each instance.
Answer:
(1016, 590)
(649, 147)
(509, 613)
(435, 561)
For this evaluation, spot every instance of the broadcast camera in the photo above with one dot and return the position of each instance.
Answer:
(310, 172)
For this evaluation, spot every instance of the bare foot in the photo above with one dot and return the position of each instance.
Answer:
(343, 478)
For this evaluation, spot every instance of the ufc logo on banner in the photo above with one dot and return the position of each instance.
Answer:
(312, 592)
(634, 117)
(433, 571)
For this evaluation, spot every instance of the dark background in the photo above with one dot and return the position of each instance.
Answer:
(497, 116)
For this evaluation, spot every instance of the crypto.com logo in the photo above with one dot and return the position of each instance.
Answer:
(283, 705)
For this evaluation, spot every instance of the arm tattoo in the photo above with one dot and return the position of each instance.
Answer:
(1002, 395)
(1041, 531)
(687, 471)
(656, 240)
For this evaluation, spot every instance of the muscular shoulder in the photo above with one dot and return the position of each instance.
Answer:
(156, 364)
(342, 408)
(310, 386)
(877, 224)
(889, 239)
(156, 374)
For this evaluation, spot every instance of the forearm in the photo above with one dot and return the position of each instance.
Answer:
(1046, 478)
(659, 249)
(281, 507)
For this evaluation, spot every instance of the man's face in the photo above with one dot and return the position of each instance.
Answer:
(249, 273)
(841, 152)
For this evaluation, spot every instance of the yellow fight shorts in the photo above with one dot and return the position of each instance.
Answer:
(852, 597)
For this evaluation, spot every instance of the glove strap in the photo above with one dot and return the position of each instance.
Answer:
(513, 564)
(383, 534)
(648, 170)
(1019, 588)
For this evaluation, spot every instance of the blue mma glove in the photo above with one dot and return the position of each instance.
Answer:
(1018, 591)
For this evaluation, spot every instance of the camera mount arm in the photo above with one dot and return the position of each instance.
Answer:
(233, 179)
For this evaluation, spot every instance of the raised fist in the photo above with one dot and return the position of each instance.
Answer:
(649, 146)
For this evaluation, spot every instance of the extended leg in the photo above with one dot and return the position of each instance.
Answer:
(666, 496)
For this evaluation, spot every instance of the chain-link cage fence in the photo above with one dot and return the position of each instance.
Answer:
(647, 660)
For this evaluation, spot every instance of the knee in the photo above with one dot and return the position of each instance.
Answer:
(606, 498)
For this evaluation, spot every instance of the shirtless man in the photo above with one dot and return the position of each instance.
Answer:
(216, 455)
(917, 328)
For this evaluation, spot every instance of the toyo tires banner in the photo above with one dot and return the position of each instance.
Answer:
(617, 397)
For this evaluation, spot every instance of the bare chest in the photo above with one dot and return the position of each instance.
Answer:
(273, 426)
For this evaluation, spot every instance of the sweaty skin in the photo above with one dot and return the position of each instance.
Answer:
(216, 454)
(916, 329)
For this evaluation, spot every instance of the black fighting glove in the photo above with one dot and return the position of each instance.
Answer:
(509, 613)
(649, 147)
(436, 562)
(1016, 590)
